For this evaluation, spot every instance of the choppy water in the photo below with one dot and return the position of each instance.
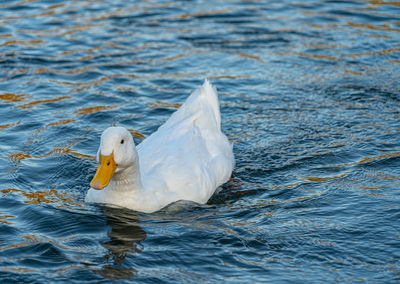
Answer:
(310, 97)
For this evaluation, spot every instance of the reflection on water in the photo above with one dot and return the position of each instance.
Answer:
(309, 95)
(125, 238)
(125, 235)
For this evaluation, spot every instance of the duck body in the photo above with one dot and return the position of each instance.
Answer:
(187, 158)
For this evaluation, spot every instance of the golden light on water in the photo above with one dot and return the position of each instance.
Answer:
(309, 98)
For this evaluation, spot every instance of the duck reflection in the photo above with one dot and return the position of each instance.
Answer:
(125, 237)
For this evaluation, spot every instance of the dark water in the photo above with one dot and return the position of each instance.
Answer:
(310, 97)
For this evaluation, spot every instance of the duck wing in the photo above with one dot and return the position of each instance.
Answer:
(189, 155)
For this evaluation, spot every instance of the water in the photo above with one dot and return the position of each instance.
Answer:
(310, 97)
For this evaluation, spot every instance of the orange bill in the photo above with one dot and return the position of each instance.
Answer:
(104, 172)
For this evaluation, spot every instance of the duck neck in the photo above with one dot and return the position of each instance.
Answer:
(128, 179)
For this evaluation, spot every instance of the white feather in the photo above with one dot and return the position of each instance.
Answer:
(187, 158)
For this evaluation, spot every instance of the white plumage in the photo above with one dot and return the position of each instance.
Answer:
(187, 158)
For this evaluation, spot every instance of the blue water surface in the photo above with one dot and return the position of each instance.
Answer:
(310, 98)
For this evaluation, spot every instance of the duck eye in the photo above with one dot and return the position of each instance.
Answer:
(122, 141)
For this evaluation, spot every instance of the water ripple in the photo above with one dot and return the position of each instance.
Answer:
(309, 96)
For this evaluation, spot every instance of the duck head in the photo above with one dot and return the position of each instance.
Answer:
(117, 152)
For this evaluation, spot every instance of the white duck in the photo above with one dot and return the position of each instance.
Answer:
(187, 158)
